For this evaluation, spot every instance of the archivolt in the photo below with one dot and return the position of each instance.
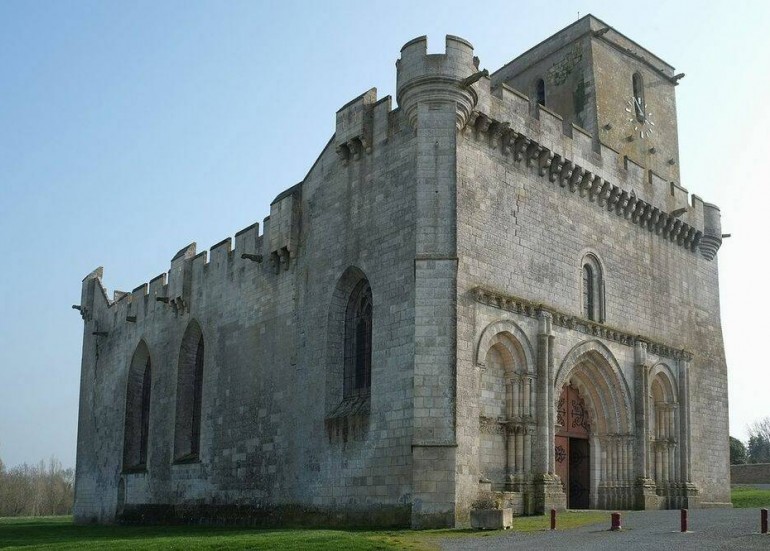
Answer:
(593, 370)
(662, 373)
(510, 336)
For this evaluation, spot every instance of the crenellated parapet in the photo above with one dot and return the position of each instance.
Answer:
(173, 293)
(525, 132)
(282, 228)
(556, 166)
(424, 78)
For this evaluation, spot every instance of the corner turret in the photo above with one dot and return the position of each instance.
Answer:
(712, 231)
(423, 77)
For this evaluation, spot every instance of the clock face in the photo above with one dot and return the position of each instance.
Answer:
(641, 121)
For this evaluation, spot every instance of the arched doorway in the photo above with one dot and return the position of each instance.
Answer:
(573, 457)
(591, 375)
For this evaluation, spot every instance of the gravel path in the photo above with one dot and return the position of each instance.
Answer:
(642, 530)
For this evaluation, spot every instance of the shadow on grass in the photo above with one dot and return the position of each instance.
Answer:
(60, 533)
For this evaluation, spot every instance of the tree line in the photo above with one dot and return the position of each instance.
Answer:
(45, 488)
(757, 450)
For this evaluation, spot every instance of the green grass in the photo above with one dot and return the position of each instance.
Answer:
(58, 533)
(746, 496)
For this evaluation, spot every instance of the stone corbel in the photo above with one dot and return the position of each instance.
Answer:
(179, 305)
(470, 126)
(533, 153)
(638, 212)
(630, 206)
(652, 224)
(520, 147)
(696, 240)
(343, 152)
(544, 162)
(603, 194)
(676, 229)
(355, 146)
(613, 198)
(576, 178)
(508, 141)
(482, 124)
(622, 203)
(556, 167)
(566, 173)
(670, 221)
(586, 184)
(496, 133)
(366, 144)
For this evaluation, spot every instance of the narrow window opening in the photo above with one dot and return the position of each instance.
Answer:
(189, 395)
(588, 292)
(638, 85)
(358, 342)
(145, 413)
(540, 92)
(197, 399)
(592, 289)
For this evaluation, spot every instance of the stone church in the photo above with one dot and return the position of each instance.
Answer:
(497, 289)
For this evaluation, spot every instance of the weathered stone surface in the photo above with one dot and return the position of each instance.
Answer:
(472, 213)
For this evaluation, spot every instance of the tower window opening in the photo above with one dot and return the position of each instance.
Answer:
(593, 289)
(638, 86)
(540, 91)
(588, 292)
(358, 342)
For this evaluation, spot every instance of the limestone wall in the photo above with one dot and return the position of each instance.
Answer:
(523, 230)
(758, 473)
(269, 380)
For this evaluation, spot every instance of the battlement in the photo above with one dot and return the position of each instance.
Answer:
(507, 120)
(173, 291)
(443, 77)
(523, 131)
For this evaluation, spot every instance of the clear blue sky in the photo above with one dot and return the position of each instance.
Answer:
(130, 129)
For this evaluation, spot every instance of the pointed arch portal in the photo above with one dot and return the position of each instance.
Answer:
(594, 429)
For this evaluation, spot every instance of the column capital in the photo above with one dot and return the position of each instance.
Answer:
(545, 322)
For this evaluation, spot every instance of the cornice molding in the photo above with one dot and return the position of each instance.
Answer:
(578, 179)
(531, 309)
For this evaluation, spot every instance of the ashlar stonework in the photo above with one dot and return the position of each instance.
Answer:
(497, 290)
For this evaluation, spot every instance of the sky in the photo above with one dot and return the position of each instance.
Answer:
(130, 129)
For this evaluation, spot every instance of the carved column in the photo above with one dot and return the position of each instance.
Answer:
(527, 450)
(516, 383)
(684, 419)
(509, 397)
(645, 486)
(547, 490)
(527, 396)
(544, 405)
(510, 444)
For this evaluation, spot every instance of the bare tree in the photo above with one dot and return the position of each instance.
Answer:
(42, 489)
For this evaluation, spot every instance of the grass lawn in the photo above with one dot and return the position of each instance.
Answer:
(746, 496)
(59, 533)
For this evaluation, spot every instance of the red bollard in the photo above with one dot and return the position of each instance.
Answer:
(553, 519)
(616, 522)
(763, 521)
(683, 520)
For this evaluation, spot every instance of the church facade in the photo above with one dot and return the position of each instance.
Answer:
(497, 290)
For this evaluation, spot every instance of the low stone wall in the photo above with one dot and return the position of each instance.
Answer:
(758, 473)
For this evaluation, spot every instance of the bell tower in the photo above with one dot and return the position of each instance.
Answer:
(596, 78)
